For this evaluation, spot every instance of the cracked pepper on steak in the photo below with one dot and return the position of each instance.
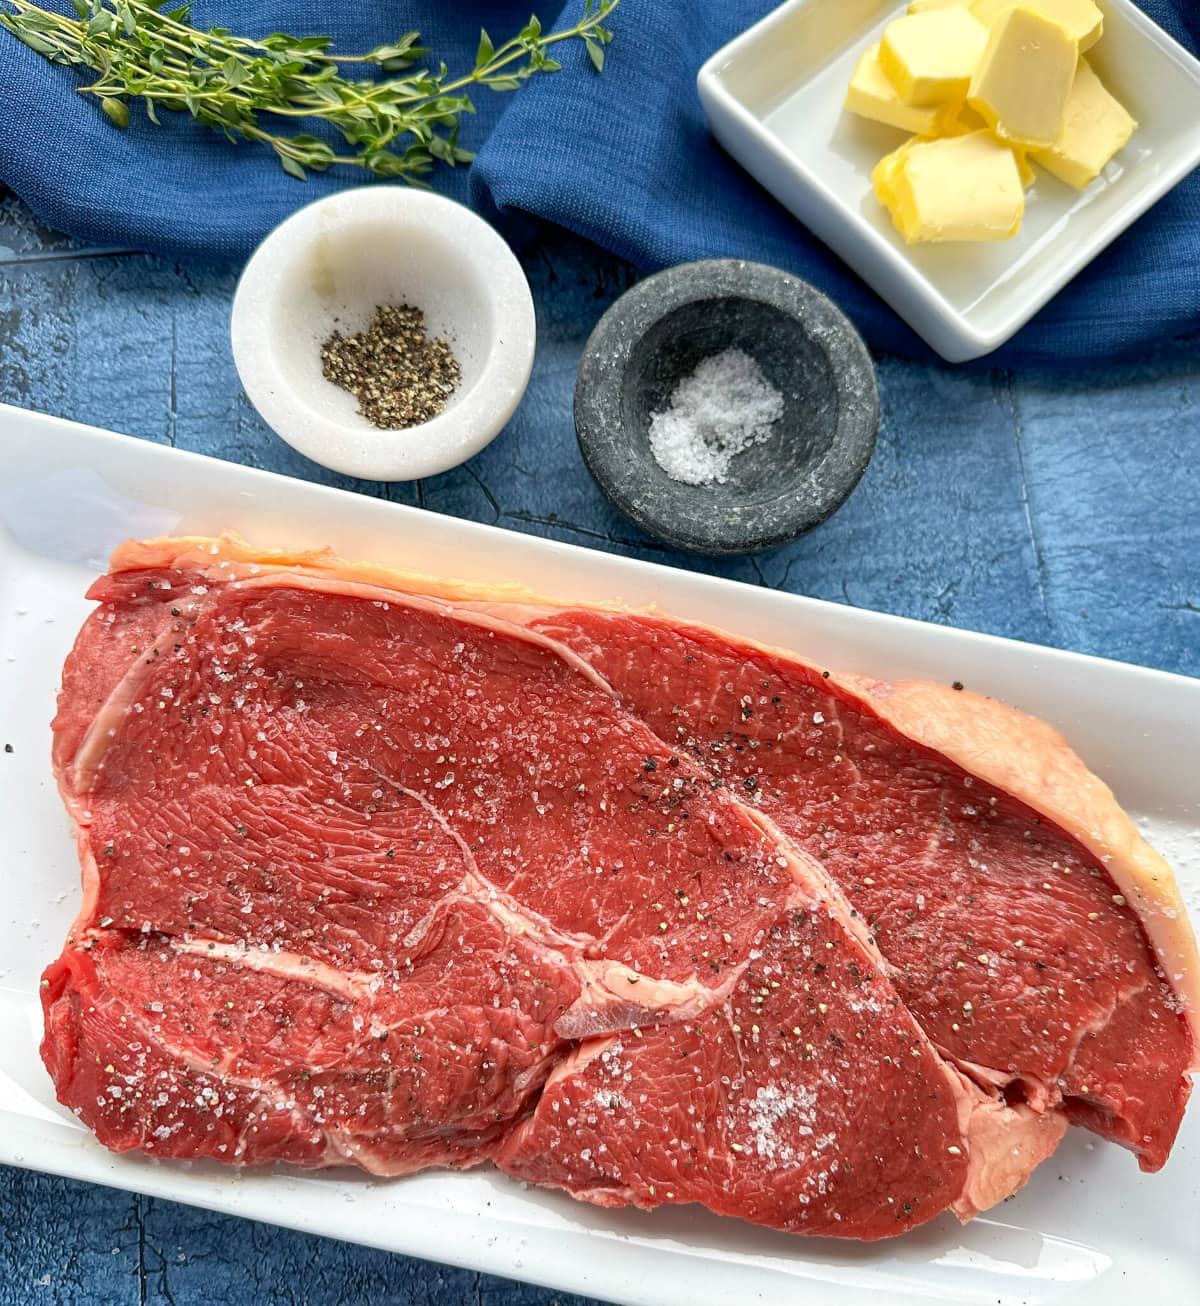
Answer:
(397, 872)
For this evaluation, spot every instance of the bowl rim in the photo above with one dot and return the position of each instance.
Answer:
(609, 350)
(428, 448)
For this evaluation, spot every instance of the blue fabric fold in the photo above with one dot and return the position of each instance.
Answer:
(624, 159)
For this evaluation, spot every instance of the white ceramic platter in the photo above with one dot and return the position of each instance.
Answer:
(1088, 1228)
(774, 98)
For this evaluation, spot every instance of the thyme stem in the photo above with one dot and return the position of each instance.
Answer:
(397, 126)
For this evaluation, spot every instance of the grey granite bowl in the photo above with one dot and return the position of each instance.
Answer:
(657, 333)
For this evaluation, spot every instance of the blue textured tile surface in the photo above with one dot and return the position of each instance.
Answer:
(1059, 508)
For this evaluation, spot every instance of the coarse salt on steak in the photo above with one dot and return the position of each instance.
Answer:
(379, 870)
(1035, 936)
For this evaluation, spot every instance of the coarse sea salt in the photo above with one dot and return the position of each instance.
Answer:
(724, 407)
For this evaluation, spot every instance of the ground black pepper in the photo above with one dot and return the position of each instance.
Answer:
(399, 376)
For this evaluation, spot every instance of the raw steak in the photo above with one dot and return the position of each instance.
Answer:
(1015, 944)
(377, 871)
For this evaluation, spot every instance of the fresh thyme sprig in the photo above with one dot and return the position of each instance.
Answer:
(396, 127)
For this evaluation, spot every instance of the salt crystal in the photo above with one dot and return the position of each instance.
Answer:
(724, 407)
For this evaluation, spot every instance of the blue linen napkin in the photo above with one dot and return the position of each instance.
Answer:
(625, 159)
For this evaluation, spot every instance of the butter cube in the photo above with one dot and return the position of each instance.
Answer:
(1024, 167)
(957, 188)
(1024, 78)
(960, 120)
(924, 6)
(1081, 18)
(886, 171)
(929, 57)
(1095, 126)
(872, 95)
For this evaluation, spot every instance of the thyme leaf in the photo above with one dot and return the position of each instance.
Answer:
(398, 125)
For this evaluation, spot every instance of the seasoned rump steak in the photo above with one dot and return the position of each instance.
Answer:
(1007, 938)
(400, 873)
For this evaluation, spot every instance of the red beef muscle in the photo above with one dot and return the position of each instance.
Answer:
(756, 1109)
(1007, 939)
(363, 872)
(400, 873)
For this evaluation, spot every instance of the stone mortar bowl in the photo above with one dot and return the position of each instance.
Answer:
(657, 333)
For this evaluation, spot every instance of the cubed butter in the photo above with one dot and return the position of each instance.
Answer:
(961, 120)
(957, 188)
(1081, 18)
(1024, 167)
(1095, 126)
(930, 57)
(884, 175)
(924, 6)
(872, 95)
(1024, 78)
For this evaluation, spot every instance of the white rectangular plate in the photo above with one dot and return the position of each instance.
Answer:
(1088, 1227)
(774, 100)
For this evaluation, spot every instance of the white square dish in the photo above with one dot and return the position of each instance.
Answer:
(774, 96)
(1087, 1228)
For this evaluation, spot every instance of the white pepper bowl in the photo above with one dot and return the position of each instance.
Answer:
(326, 269)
